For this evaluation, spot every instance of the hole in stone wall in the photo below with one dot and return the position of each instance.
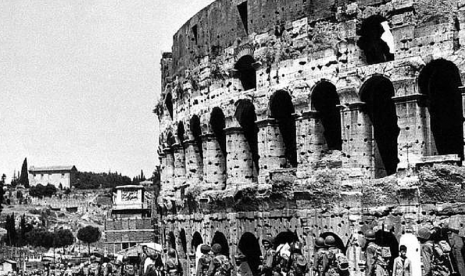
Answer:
(325, 100)
(195, 33)
(246, 72)
(217, 122)
(245, 115)
(249, 245)
(339, 243)
(242, 8)
(221, 239)
(282, 110)
(181, 133)
(170, 140)
(172, 240)
(377, 93)
(196, 132)
(439, 81)
(182, 236)
(196, 241)
(169, 104)
(376, 39)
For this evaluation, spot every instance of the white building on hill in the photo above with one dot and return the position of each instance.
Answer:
(59, 176)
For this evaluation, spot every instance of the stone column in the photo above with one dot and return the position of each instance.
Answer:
(357, 137)
(214, 163)
(239, 158)
(168, 172)
(194, 164)
(179, 169)
(270, 148)
(413, 140)
(310, 139)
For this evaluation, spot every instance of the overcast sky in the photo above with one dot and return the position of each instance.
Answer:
(79, 80)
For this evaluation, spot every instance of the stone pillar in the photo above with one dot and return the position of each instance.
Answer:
(357, 137)
(271, 148)
(310, 139)
(179, 169)
(168, 172)
(194, 164)
(214, 163)
(239, 158)
(413, 140)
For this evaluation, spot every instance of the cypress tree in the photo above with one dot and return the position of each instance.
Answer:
(24, 178)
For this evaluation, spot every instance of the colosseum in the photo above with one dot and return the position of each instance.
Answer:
(305, 118)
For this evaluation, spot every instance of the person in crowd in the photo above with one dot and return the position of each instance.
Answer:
(297, 265)
(173, 266)
(402, 265)
(266, 268)
(204, 260)
(220, 264)
(427, 252)
(375, 262)
(320, 261)
(243, 268)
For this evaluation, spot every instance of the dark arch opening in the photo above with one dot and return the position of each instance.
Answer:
(196, 241)
(170, 140)
(194, 125)
(181, 132)
(325, 100)
(221, 239)
(182, 236)
(339, 242)
(245, 115)
(282, 110)
(388, 239)
(249, 245)
(376, 49)
(285, 237)
(172, 240)
(377, 93)
(169, 104)
(440, 81)
(217, 122)
(247, 73)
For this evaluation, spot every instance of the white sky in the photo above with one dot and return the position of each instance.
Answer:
(79, 80)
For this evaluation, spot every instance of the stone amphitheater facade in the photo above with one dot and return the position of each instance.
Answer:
(303, 118)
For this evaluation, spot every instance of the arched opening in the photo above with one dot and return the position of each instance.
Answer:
(196, 131)
(171, 240)
(377, 93)
(217, 123)
(282, 110)
(325, 100)
(247, 73)
(181, 133)
(196, 241)
(339, 242)
(169, 104)
(245, 115)
(376, 40)
(388, 239)
(439, 81)
(221, 239)
(249, 245)
(285, 237)
(182, 236)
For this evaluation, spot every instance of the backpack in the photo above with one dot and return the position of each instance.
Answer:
(386, 252)
(342, 262)
(299, 264)
(225, 267)
(441, 248)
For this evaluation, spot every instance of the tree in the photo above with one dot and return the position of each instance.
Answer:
(89, 234)
(10, 229)
(64, 237)
(24, 177)
(2, 192)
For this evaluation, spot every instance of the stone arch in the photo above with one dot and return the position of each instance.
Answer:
(282, 109)
(285, 237)
(196, 241)
(169, 104)
(439, 81)
(376, 40)
(218, 123)
(171, 240)
(339, 242)
(325, 100)
(196, 130)
(388, 239)
(377, 93)
(248, 244)
(220, 238)
(180, 133)
(246, 72)
(246, 116)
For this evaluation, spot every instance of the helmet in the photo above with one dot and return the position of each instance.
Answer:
(267, 239)
(320, 242)
(92, 258)
(205, 248)
(330, 241)
(216, 248)
(424, 233)
(370, 235)
(172, 252)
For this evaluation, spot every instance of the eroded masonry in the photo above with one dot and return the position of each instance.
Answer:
(303, 118)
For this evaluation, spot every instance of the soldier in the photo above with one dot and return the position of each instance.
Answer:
(297, 265)
(321, 260)
(268, 258)
(94, 268)
(243, 268)
(204, 260)
(427, 252)
(331, 253)
(173, 266)
(376, 264)
(220, 264)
